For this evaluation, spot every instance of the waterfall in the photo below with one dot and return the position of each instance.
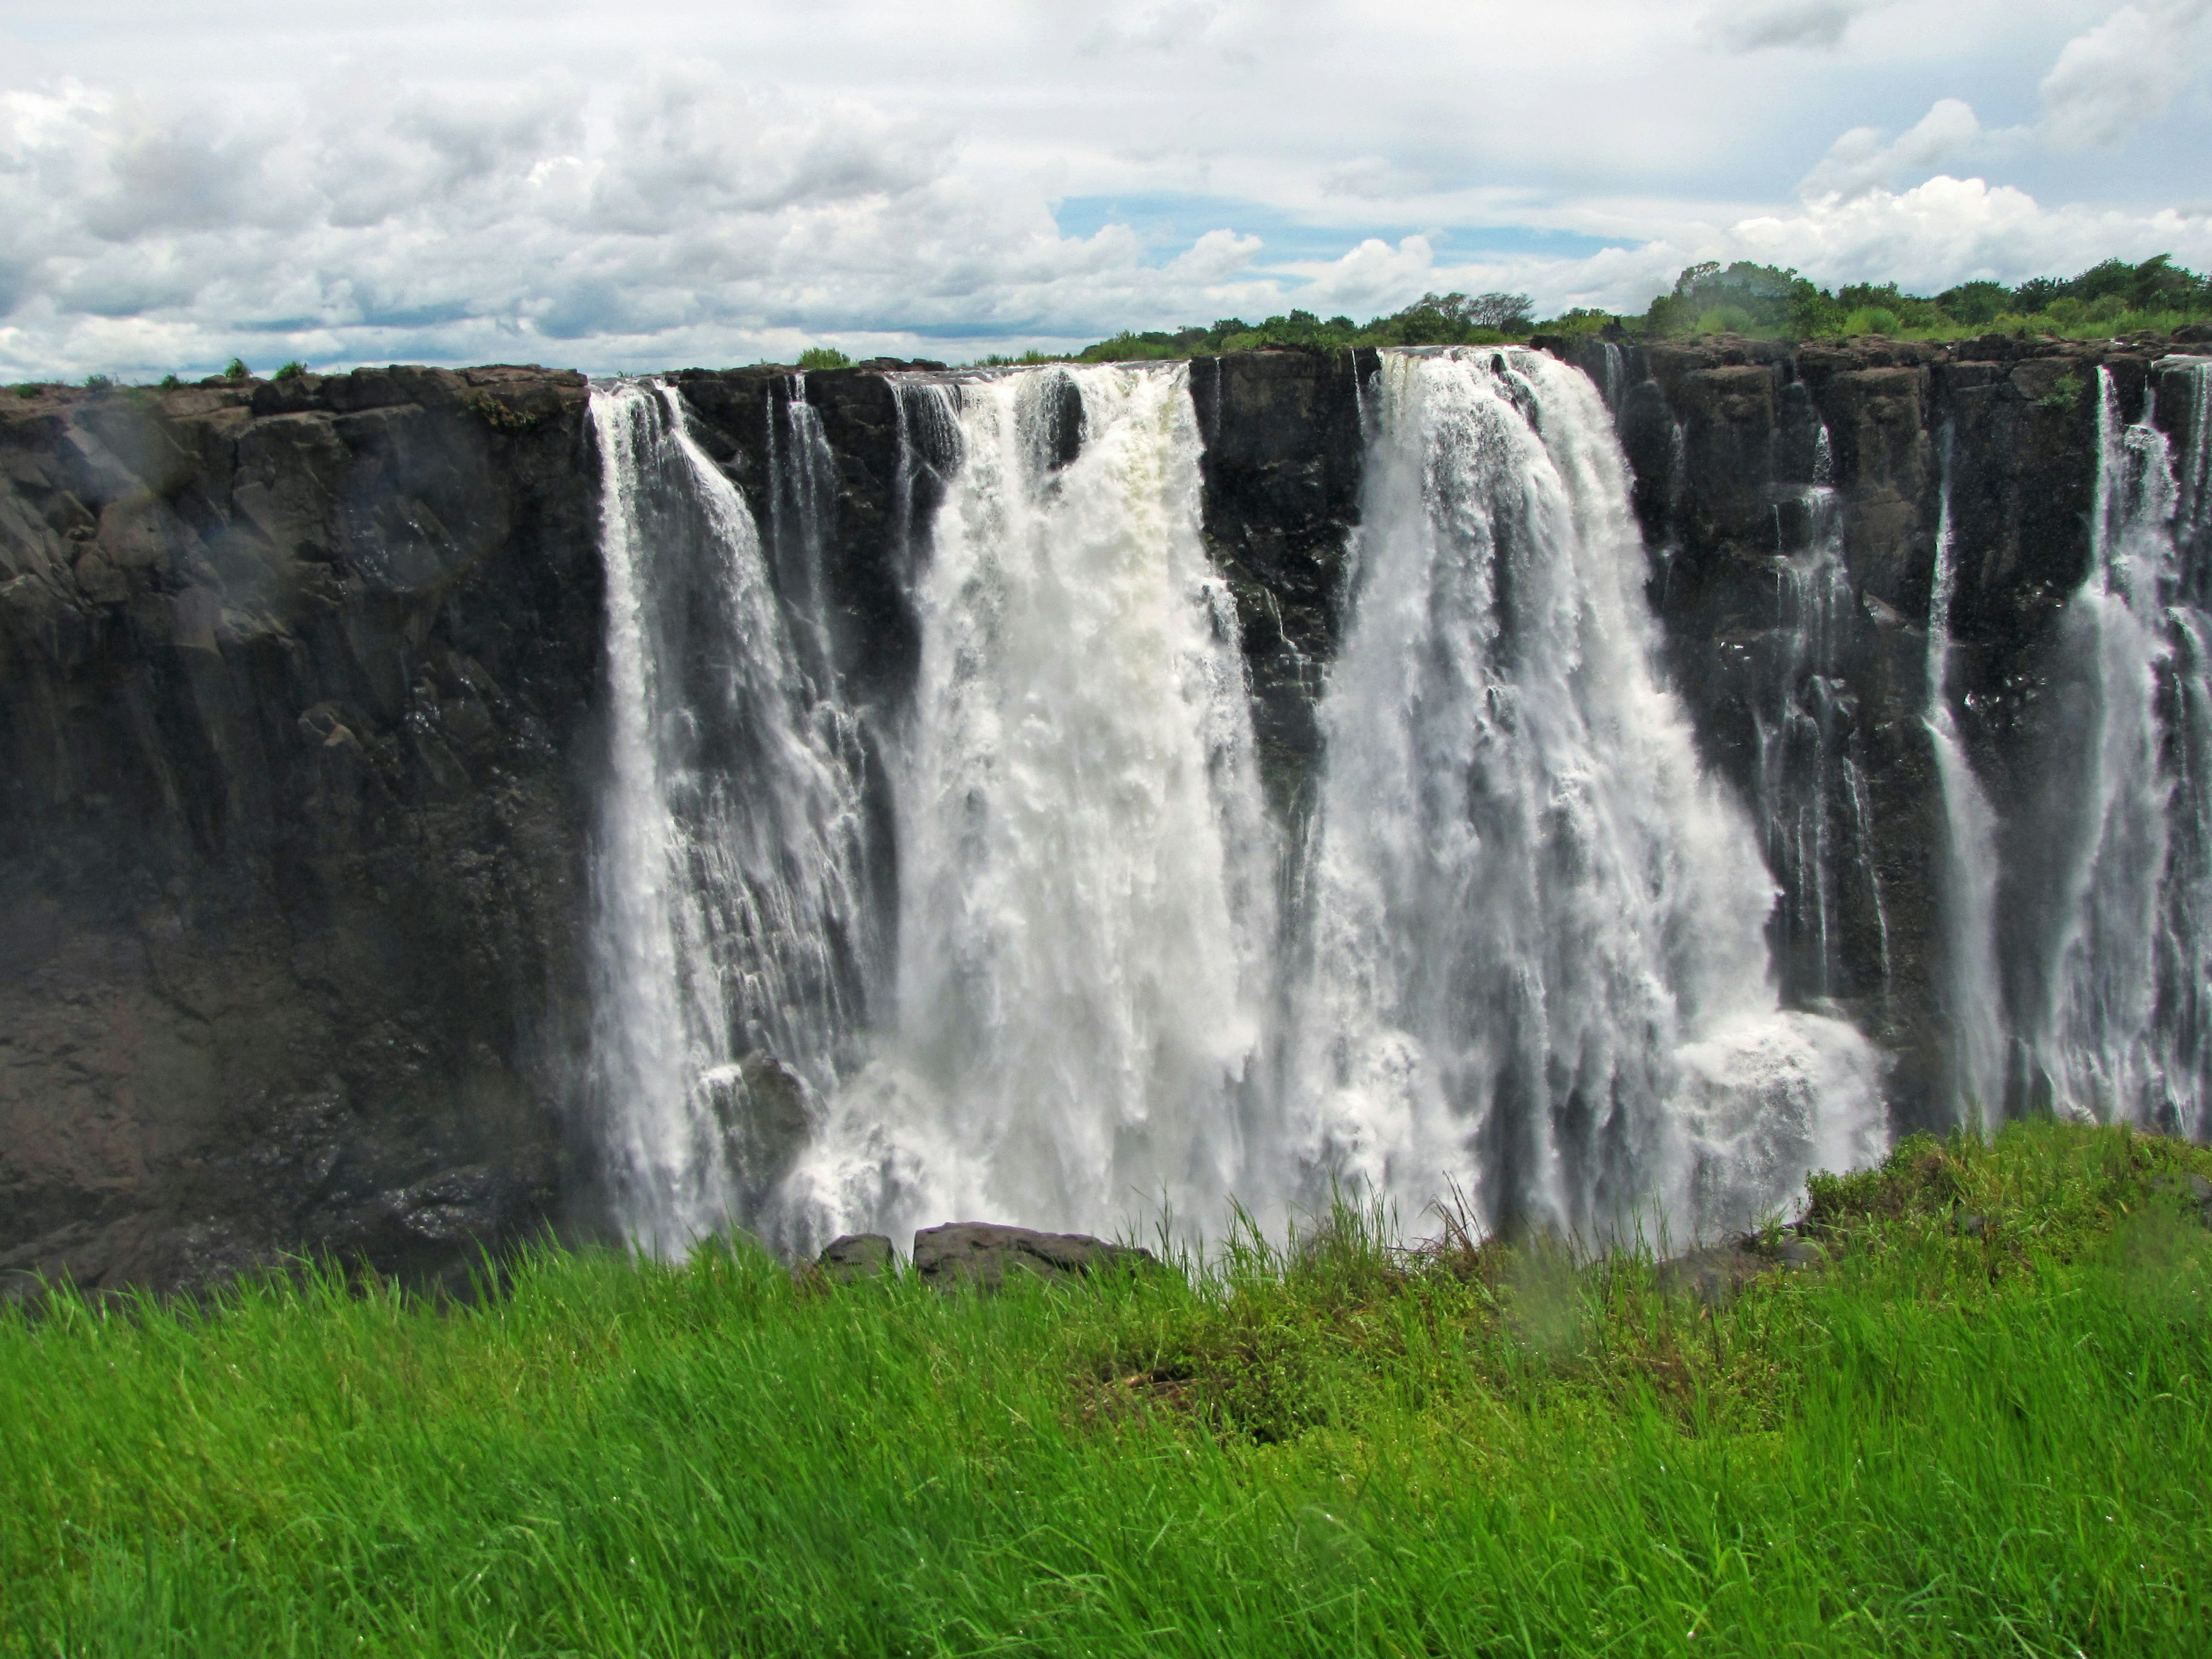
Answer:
(1966, 890)
(1521, 948)
(732, 935)
(1086, 869)
(1535, 956)
(2115, 1025)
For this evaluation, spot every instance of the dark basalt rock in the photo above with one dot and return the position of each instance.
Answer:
(977, 1252)
(289, 846)
(1282, 470)
(857, 1256)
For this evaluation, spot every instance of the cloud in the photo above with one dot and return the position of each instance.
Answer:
(1947, 230)
(674, 216)
(1756, 25)
(2111, 80)
(1865, 157)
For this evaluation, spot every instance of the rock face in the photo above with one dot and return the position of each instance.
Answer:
(977, 1252)
(1282, 471)
(291, 678)
(300, 694)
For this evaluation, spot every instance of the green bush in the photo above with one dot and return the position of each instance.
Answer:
(98, 382)
(1873, 319)
(824, 357)
(1726, 319)
(291, 371)
(237, 370)
(170, 382)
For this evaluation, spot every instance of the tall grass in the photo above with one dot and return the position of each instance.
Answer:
(1985, 1437)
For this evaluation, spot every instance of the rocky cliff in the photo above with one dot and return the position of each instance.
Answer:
(292, 678)
(300, 684)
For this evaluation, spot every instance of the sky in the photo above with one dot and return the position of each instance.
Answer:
(665, 183)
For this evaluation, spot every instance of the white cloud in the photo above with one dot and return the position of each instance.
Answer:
(1865, 157)
(2117, 76)
(1948, 230)
(494, 179)
(701, 223)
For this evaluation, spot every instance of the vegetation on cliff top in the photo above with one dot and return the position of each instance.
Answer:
(2113, 298)
(1984, 1427)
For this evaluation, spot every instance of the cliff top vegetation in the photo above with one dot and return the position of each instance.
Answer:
(2113, 298)
(1979, 1421)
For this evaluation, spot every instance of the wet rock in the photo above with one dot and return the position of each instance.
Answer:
(963, 1252)
(1717, 1272)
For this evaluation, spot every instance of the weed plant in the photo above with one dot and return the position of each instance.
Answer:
(1982, 1427)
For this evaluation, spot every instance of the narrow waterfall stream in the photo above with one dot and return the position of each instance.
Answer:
(1811, 794)
(1972, 990)
(1524, 953)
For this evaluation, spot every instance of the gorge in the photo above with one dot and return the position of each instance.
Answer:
(1611, 779)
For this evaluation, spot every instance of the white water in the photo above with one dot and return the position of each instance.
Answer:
(732, 934)
(1971, 991)
(1536, 962)
(2114, 1028)
(1085, 863)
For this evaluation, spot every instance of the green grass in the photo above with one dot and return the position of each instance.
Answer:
(1988, 1437)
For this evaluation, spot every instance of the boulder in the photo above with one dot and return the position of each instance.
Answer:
(1715, 1274)
(978, 1252)
(856, 1256)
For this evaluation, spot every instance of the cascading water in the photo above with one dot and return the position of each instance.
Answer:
(1971, 991)
(1524, 952)
(733, 939)
(1535, 956)
(1085, 864)
(2112, 1015)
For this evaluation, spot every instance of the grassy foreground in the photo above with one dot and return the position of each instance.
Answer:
(1989, 1436)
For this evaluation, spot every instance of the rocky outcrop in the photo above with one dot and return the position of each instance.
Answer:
(291, 678)
(1282, 467)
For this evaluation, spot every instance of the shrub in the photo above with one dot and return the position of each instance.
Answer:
(1726, 319)
(291, 371)
(1872, 319)
(2065, 392)
(98, 382)
(824, 357)
(237, 370)
(170, 382)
